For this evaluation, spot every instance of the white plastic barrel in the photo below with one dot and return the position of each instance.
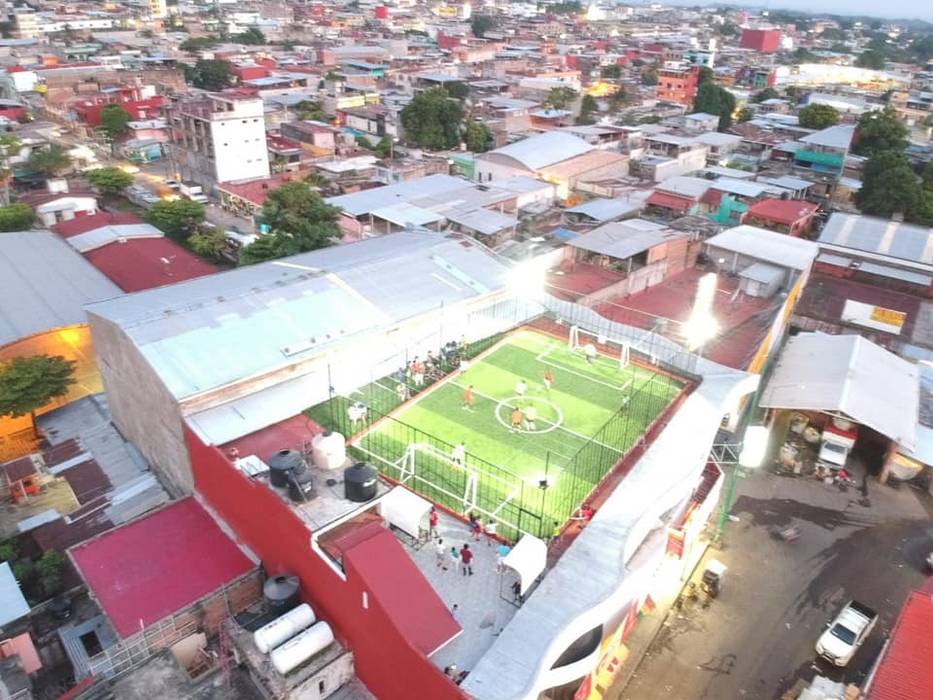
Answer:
(283, 628)
(329, 451)
(299, 649)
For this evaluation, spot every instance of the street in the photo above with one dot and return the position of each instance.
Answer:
(756, 640)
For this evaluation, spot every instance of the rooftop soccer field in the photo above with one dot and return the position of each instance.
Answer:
(591, 415)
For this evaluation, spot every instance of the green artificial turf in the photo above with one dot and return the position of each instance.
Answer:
(591, 416)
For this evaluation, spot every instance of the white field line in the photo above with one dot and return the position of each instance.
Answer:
(542, 358)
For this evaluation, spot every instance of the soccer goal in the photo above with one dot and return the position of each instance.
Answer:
(579, 338)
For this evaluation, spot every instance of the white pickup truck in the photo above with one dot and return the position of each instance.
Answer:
(845, 634)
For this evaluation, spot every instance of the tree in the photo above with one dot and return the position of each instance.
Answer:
(477, 136)
(113, 121)
(432, 120)
(712, 99)
(649, 76)
(27, 383)
(746, 114)
(210, 74)
(177, 218)
(251, 37)
(50, 162)
(611, 72)
(889, 186)
(560, 97)
(480, 24)
(880, 131)
(267, 247)
(198, 43)
(363, 142)
(817, 116)
(311, 109)
(299, 221)
(49, 568)
(457, 89)
(16, 217)
(110, 181)
(870, 59)
(209, 243)
(588, 107)
(769, 93)
(705, 75)
(9, 146)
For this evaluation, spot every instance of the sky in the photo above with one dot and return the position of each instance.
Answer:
(899, 9)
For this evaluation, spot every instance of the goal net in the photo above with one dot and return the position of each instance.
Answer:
(579, 339)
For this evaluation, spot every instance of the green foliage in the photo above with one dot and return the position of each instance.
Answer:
(311, 109)
(49, 568)
(767, 94)
(588, 107)
(457, 89)
(870, 59)
(745, 114)
(712, 99)
(29, 382)
(571, 7)
(210, 74)
(611, 72)
(177, 218)
(8, 550)
(195, 44)
(299, 221)
(802, 55)
(16, 217)
(110, 181)
(333, 76)
(840, 48)
(113, 121)
(817, 116)
(480, 24)
(432, 120)
(889, 186)
(880, 131)
(251, 37)
(477, 136)
(705, 75)
(22, 569)
(729, 29)
(53, 160)
(560, 97)
(208, 243)
(363, 142)
(832, 34)
(383, 148)
(649, 76)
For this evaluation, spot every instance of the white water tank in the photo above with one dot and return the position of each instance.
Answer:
(329, 450)
(299, 649)
(283, 628)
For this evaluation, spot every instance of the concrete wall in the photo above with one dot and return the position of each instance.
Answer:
(143, 409)
(498, 168)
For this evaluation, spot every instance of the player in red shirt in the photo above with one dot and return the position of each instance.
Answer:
(466, 559)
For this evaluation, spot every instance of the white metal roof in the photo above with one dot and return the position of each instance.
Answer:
(839, 136)
(404, 214)
(366, 201)
(99, 237)
(623, 239)
(685, 185)
(893, 239)
(767, 246)
(740, 187)
(540, 151)
(606, 209)
(483, 221)
(45, 284)
(851, 375)
(12, 603)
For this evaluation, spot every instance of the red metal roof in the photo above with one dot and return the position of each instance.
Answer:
(669, 201)
(83, 224)
(782, 211)
(138, 263)
(904, 672)
(158, 565)
(398, 587)
(256, 191)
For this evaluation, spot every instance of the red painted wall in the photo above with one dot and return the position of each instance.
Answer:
(764, 40)
(389, 666)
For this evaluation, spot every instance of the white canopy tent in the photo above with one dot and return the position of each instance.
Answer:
(406, 510)
(12, 603)
(528, 559)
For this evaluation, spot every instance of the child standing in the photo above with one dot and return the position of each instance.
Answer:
(466, 558)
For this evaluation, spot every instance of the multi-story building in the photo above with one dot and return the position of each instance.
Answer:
(763, 40)
(221, 138)
(678, 84)
(158, 9)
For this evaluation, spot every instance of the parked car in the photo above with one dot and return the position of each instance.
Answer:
(846, 633)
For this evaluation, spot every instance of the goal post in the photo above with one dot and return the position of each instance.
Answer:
(579, 338)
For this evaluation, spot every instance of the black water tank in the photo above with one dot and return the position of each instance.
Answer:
(360, 482)
(300, 486)
(281, 592)
(282, 464)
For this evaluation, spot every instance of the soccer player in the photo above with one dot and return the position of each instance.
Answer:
(516, 419)
(468, 398)
(466, 559)
(520, 388)
(590, 351)
(530, 414)
(548, 380)
(458, 454)
(403, 392)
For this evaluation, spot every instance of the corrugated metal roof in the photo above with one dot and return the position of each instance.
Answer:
(881, 236)
(208, 332)
(404, 214)
(98, 237)
(839, 136)
(359, 203)
(762, 244)
(623, 239)
(44, 284)
(905, 672)
(606, 209)
(685, 186)
(850, 375)
(539, 151)
(484, 221)
(12, 603)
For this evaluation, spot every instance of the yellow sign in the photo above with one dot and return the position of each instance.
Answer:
(889, 317)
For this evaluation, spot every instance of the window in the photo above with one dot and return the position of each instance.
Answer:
(585, 645)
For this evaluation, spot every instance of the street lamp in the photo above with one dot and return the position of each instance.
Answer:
(751, 455)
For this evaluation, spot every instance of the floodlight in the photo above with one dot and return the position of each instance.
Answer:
(527, 278)
(754, 446)
(702, 326)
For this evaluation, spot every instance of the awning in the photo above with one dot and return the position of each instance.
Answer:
(528, 559)
(12, 603)
(406, 510)
(669, 201)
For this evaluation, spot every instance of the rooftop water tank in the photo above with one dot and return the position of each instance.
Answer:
(301, 486)
(283, 628)
(299, 649)
(283, 463)
(360, 482)
(329, 450)
(281, 592)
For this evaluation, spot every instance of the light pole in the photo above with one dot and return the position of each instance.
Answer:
(751, 455)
